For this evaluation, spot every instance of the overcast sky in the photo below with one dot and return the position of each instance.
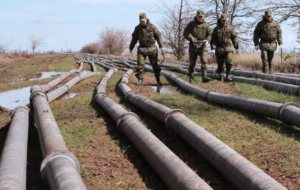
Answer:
(72, 24)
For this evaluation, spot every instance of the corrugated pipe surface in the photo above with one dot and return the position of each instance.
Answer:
(14, 154)
(176, 174)
(59, 168)
(242, 173)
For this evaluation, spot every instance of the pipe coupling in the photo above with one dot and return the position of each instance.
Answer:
(58, 154)
(121, 117)
(19, 108)
(282, 108)
(169, 114)
(36, 93)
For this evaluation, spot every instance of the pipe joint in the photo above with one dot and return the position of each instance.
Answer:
(25, 108)
(120, 119)
(282, 108)
(169, 114)
(38, 93)
(206, 94)
(129, 92)
(101, 94)
(58, 154)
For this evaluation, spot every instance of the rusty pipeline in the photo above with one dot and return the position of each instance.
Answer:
(238, 170)
(14, 154)
(175, 173)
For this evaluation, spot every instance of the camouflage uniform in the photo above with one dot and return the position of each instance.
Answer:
(222, 39)
(146, 35)
(196, 32)
(268, 32)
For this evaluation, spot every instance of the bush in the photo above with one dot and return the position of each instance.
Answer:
(92, 48)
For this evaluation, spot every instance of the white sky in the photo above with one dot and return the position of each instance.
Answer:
(72, 24)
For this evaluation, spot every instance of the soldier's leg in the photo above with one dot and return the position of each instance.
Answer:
(264, 58)
(270, 58)
(203, 58)
(156, 67)
(228, 62)
(193, 59)
(140, 67)
(220, 69)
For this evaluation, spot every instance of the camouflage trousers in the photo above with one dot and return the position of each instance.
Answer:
(193, 59)
(226, 58)
(141, 65)
(266, 57)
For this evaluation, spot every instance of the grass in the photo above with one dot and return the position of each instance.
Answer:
(109, 161)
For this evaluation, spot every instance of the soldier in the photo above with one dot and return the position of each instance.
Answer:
(198, 32)
(268, 31)
(223, 37)
(146, 33)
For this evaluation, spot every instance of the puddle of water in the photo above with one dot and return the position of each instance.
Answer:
(163, 90)
(86, 72)
(14, 98)
(46, 75)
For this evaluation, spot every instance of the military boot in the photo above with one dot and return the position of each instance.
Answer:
(228, 78)
(140, 81)
(192, 79)
(204, 75)
(158, 81)
(221, 77)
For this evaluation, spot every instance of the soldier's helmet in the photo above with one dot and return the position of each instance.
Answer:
(143, 17)
(200, 13)
(268, 13)
(224, 16)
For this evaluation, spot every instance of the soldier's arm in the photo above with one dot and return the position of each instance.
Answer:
(234, 39)
(279, 35)
(134, 39)
(157, 36)
(256, 34)
(208, 34)
(187, 35)
(213, 42)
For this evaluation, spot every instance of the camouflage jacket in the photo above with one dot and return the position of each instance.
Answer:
(268, 32)
(223, 37)
(199, 31)
(146, 35)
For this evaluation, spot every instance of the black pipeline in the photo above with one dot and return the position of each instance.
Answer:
(242, 173)
(176, 174)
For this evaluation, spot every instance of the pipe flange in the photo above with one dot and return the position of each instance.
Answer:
(169, 114)
(57, 154)
(17, 108)
(121, 117)
(206, 94)
(38, 91)
(281, 109)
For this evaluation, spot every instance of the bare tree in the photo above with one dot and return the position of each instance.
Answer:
(175, 19)
(242, 15)
(287, 11)
(92, 48)
(4, 45)
(113, 40)
(36, 42)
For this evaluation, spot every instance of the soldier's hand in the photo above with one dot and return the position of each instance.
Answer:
(256, 47)
(236, 51)
(281, 46)
(213, 51)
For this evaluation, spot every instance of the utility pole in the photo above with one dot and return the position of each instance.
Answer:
(66, 45)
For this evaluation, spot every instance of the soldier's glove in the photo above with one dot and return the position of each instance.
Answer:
(213, 51)
(236, 51)
(205, 43)
(281, 46)
(256, 47)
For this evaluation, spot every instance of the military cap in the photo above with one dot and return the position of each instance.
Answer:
(200, 13)
(143, 17)
(268, 13)
(224, 16)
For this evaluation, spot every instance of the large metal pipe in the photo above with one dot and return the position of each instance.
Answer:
(59, 168)
(175, 173)
(14, 154)
(288, 75)
(242, 173)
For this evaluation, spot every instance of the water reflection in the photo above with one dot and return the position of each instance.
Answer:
(47, 75)
(162, 90)
(15, 98)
